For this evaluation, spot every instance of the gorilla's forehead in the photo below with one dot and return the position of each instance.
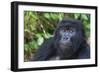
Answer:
(71, 22)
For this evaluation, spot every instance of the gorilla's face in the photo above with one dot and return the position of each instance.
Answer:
(66, 33)
(68, 37)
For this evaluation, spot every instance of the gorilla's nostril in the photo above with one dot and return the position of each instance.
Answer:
(66, 38)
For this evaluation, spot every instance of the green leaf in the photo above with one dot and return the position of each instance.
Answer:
(40, 40)
(46, 15)
(76, 16)
(84, 17)
(26, 47)
(33, 44)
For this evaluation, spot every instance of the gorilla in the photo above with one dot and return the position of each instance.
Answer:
(69, 42)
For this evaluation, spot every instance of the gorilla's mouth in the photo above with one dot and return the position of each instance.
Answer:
(65, 45)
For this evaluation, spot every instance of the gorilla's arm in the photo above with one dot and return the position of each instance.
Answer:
(45, 51)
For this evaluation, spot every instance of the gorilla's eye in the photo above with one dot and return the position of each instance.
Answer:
(68, 29)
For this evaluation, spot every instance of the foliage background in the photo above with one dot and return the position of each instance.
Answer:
(39, 26)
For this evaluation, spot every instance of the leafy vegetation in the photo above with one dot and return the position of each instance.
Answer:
(39, 26)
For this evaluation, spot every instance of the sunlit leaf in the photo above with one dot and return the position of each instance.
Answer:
(84, 17)
(40, 40)
(77, 15)
(47, 15)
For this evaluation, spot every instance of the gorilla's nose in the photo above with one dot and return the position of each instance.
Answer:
(66, 39)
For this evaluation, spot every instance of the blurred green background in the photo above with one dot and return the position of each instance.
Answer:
(39, 26)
